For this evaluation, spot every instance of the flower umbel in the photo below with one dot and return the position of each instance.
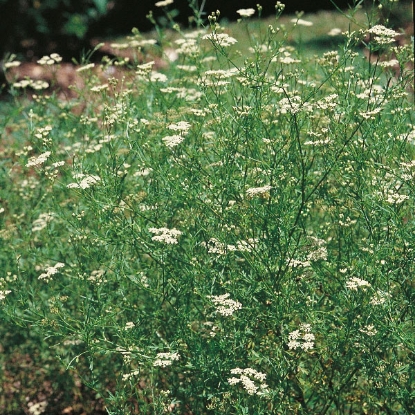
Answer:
(258, 191)
(246, 12)
(301, 338)
(222, 39)
(354, 283)
(165, 359)
(163, 3)
(382, 35)
(168, 236)
(39, 160)
(251, 380)
(87, 181)
(47, 275)
(3, 294)
(224, 305)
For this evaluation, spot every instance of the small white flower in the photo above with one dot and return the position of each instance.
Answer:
(131, 374)
(47, 275)
(86, 67)
(354, 283)
(158, 77)
(246, 12)
(86, 182)
(379, 298)
(12, 64)
(172, 140)
(302, 22)
(222, 39)
(182, 126)
(382, 35)
(3, 294)
(224, 305)
(335, 32)
(99, 88)
(164, 3)
(389, 64)
(42, 221)
(56, 57)
(253, 191)
(165, 359)
(129, 325)
(369, 330)
(168, 236)
(301, 338)
(249, 379)
(293, 344)
(39, 160)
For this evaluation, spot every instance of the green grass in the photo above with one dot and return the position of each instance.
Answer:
(230, 234)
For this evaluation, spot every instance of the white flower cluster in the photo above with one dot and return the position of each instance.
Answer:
(144, 70)
(301, 22)
(39, 160)
(315, 251)
(247, 378)
(301, 338)
(371, 115)
(42, 133)
(11, 64)
(99, 88)
(188, 94)
(224, 305)
(214, 246)
(165, 359)
(297, 263)
(163, 3)
(394, 198)
(318, 250)
(218, 77)
(294, 105)
(335, 31)
(182, 127)
(86, 67)
(50, 60)
(222, 39)
(32, 83)
(379, 298)
(222, 73)
(369, 330)
(187, 46)
(129, 325)
(3, 294)
(158, 77)
(354, 283)
(47, 275)
(382, 35)
(246, 12)
(132, 374)
(168, 236)
(172, 140)
(42, 221)
(97, 277)
(37, 408)
(255, 191)
(87, 181)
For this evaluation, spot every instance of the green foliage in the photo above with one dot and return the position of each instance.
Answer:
(232, 234)
(40, 24)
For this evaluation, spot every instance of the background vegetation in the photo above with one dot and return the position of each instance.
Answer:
(35, 28)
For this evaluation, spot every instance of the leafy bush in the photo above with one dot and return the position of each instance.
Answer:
(231, 235)
(41, 27)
